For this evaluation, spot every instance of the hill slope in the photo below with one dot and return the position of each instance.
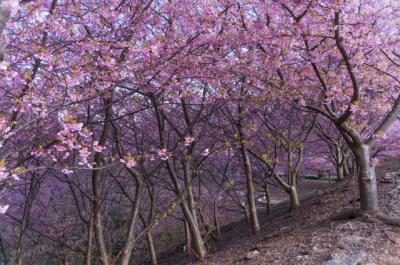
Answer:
(313, 234)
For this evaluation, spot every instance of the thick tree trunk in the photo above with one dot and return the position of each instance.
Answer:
(294, 197)
(152, 249)
(366, 179)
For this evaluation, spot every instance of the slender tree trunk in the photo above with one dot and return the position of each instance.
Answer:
(152, 249)
(97, 189)
(89, 243)
(292, 175)
(193, 226)
(246, 213)
(197, 240)
(339, 163)
(188, 236)
(129, 241)
(216, 220)
(33, 189)
(366, 179)
(250, 192)
(339, 172)
(187, 172)
(255, 225)
(98, 225)
(346, 169)
(18, 255)
(268, 199)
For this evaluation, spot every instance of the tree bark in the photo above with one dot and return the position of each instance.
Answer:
(188, 236)
(268, 199)
(366, 179)
(339, 163)
(98, 225)
(197, 240)
(255, 225)
(97, 189)
(89, 243)
(152, 249)
(129, 241)
(294, 197)
(193, 226)
(216, 220)
(34, 186)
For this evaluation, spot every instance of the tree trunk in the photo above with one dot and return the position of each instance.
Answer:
(268, 199)
(89, 243)
(97, 188)
(346, 169)
(255, 225)
(197, 240)
(366, 179)
(33, 190)
(187, 172)
(98, 225)
(247, 213)
(152, 249)
(129, 241)
(188, 237)
(339, 164)
(193, 226)
(216, 220)
(250, 193)
(294, 197)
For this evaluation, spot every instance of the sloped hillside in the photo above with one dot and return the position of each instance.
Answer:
(316, 233)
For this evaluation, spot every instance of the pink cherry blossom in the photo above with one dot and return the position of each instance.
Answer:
(163, 154)
(188, 140)
(4, 208)
(129, 161)
(206, 152)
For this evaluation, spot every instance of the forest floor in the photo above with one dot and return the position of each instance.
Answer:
(312, 234)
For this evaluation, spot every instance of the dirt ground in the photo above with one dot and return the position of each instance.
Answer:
(312, 234)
